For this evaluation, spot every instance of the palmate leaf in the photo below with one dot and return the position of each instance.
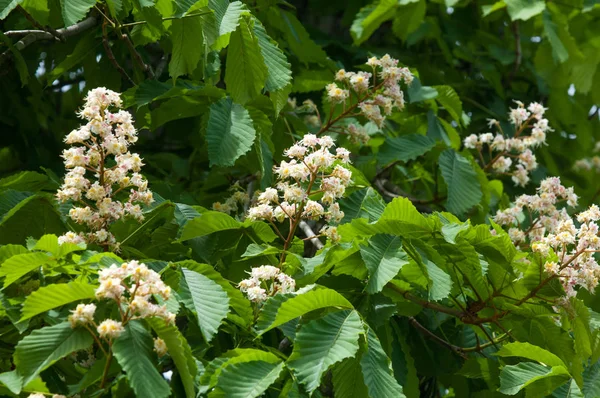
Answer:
(384, 259)
(133, 351)
(179, 351)
(207, 299)
(227, 14)
(464, 190)
(45, 346)
(323, 342)
(248, 379)
(306, 302)
(20, 265)
(524, 9)
(377, 371)
(245, 71)
(56, 295)
(25, 181)
(230, 131)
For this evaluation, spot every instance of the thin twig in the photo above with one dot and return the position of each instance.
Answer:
(518, 52)
(36, 24)
(137, 57)
(126, 25)
(111, 56)
(457, 350)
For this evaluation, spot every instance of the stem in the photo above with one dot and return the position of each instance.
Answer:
(126, 25)
(107, 365)
(97, 340)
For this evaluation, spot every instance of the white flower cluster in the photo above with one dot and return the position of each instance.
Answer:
(40, 395)
(543, 216)
(311, 166)
(132, 285)
(551, 232)
(236, 202)
(266, 281)
(592, 163)
(160, 347)
(573, 251)
(514, 155)
(100, 148)
(378, 93)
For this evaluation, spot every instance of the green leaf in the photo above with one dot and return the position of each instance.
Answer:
(86, 47)
(418, 93)
(25, 181)
(74, 11)
(404, 148)
(524, 9)
(448, 98)
(227, 15)
(245, 71)
(207, 299)
(180, 351)
(230, 132)
(559, 52)
(408, 18)
(377, 370)
(348, 380)
(45, 346)
(6, 6)
(440, 283)
(464, 190)
(207, 223)
(33, 216)
(186, 35)
(237, 300)
(279, 73)
(323, 342)
(248, 379)
(304, 303)
(297, 38)
(384, 259)
(514, 378)
(20, 265)
(133, 350)
(56, 295)
(366, 203)
(49, 243)
(530, 351)
(370, 17)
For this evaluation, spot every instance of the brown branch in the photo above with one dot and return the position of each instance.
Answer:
(36, 24)
(111, 56)
(456, 349)
(34, 35)
(137, 57)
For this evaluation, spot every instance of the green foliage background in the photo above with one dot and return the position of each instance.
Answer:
(208, 83)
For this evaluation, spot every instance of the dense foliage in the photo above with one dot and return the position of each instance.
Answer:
(269, 198)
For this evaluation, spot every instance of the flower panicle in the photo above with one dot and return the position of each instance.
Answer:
(100, 166)
(514, 155)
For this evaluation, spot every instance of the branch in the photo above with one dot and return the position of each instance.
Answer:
(31, 36)
(35, 23)
(111, 56)
(456, 349)
(311, 235)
